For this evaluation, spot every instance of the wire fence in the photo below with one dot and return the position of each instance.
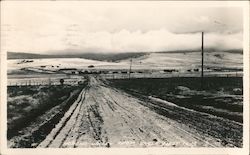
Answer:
(170, 75)
(44, 81)
(74, 80)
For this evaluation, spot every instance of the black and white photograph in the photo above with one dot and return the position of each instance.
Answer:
(124, 74)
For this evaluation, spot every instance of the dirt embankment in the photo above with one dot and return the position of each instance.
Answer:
(35, 124)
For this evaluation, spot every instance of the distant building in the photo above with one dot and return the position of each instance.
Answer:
(69, 70)
(91, 66)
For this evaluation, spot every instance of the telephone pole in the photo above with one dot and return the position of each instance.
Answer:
(202, 59)
(130, 68)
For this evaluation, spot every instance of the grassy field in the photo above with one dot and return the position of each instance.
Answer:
(219, 96)
(35, 105)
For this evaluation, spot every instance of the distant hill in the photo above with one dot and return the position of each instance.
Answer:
(112, 57)
(238, 51)
(15, 55)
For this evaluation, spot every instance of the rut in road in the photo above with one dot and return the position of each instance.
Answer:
(103, 116)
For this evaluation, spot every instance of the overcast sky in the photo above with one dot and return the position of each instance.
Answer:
(118, 27)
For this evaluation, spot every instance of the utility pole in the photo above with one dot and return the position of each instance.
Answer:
(202, 58)
(130, 68)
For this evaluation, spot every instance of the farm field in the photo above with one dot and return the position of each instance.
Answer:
(213, 61)
(220, 96)
(150, 65)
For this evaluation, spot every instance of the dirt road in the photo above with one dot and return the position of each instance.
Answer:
(103, 116)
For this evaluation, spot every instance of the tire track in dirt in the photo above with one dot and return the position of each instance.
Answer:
(156, 132)
(77, 117)
(55, 132)
(127, 117)
(89, 126)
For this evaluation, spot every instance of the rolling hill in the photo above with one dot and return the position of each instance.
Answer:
(110, 57)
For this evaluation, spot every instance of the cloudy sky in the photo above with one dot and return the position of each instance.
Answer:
(55, 26)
